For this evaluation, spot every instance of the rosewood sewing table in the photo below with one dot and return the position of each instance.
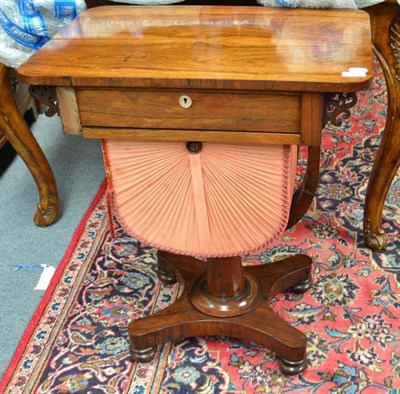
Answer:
(238, 75)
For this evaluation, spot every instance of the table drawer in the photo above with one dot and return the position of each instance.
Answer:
(208, 110)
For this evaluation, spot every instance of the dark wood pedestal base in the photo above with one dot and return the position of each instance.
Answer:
(221, 297)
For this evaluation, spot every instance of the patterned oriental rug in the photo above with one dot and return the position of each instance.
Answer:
(77, 339)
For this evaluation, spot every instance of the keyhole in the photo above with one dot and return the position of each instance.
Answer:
(185, 101)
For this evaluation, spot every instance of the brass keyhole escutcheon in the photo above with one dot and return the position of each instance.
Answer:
(185, 101)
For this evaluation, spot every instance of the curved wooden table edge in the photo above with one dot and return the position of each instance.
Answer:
(385, 17)
(21, 138)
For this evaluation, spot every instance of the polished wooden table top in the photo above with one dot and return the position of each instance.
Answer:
(209, 47)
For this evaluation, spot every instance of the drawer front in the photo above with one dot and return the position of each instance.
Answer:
(208, 110)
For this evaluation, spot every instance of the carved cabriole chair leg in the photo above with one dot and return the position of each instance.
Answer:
(384, 17)
(20, 136)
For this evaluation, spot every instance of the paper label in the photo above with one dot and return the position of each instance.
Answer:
(355, 72)
(45, 277)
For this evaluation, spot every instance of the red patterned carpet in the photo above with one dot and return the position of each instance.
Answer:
(77, 339)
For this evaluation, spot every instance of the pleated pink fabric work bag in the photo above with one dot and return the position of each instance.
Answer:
(223, 200)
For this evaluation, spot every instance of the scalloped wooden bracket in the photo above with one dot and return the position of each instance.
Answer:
(338, 106)
(47, 96)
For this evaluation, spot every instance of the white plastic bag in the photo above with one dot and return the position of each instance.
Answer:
(319, 3)
(26, 25)
(149, 2)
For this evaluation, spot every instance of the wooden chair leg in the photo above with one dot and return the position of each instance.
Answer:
(387, 161)
(21, 138)
(385, 21)
(237, 305)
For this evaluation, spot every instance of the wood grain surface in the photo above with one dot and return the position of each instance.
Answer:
(210, 110)
(208, 47)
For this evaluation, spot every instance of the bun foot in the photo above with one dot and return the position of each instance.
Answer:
(143, 355)
(165, 271)
(166, 277)
(302, 287)
(292, 367)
